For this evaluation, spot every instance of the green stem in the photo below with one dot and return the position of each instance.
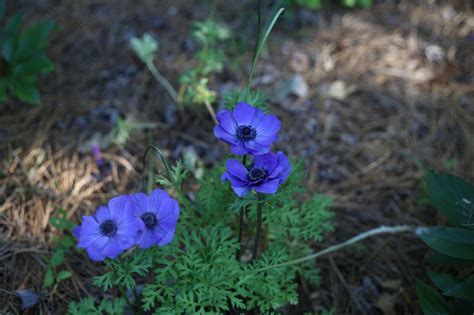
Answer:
(258, 229)
(150, 177)
(355, 239)
(255, 49)
(239, 240)
(127, 300)
(162, 80)
(242, 213)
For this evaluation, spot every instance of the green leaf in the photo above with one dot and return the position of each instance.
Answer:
(8, 49)
(41, 64)
(48, 278)
(26, 91)
(464, 290)
(33, 40)
(145, 47)
(57, 258)
(442, 280)
(63, 275)
(447, 261)
(453, 197)
(61, 222)
(431, 301)
(12, 28)
(3, 89)
(454, 242)
(2, 9)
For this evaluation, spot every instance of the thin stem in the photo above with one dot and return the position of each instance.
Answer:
(127, 300)
(150, 171)
(211, 111)
(162, 80)
(355, 239)
(242, 213)
(239, 240)
(258, 231)
(255, 49)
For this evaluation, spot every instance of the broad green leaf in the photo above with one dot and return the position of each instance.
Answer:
(48, 278)
(63, 275)
(366, 3)
(41, 64)
(3, 89)
(442, 280)
(350, 3)
(57, 258)
(431, 301)
(453, 197)
(2, 10)
(12, 28)
(26, 91)
(447, 261)
(464, 290)
(8, 48)
(454, 242)
(61, 223)
(33, 40)
(64, 241)
(463, 307)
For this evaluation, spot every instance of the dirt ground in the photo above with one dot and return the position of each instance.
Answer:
(390, 93)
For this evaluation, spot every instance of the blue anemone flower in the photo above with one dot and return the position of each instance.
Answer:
(159, 214)
(110, 231)
(247, 129)
(264, 176)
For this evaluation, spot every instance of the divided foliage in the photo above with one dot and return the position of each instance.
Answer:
(23, 57)
(454, 246)
(63, 246)
(209, 35)
(198, 273)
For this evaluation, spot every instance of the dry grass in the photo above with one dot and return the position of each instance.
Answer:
(410, 107)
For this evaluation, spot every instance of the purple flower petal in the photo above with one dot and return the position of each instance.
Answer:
(166, 239)
(240, 191)
(117, 204)
(148, 239)
(269, 187)
(168, 223)
(243, 113)
(95, 250)
(285, 165)
(89, 231)
(268, 125)
(141, 204)
(223, 135)
(94, 254)
(257, 148)
(265, 140)
(156, 198)
(112, 249)
(237, 169)
(257, 117)
(77, 231)
(102, 213)
(169, 208)
(227, 121)
(266, 174)
(238, 149)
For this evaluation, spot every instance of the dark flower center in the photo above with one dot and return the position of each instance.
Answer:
(257, 174)
(246, 133)
(150, 220)
(108, 228)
